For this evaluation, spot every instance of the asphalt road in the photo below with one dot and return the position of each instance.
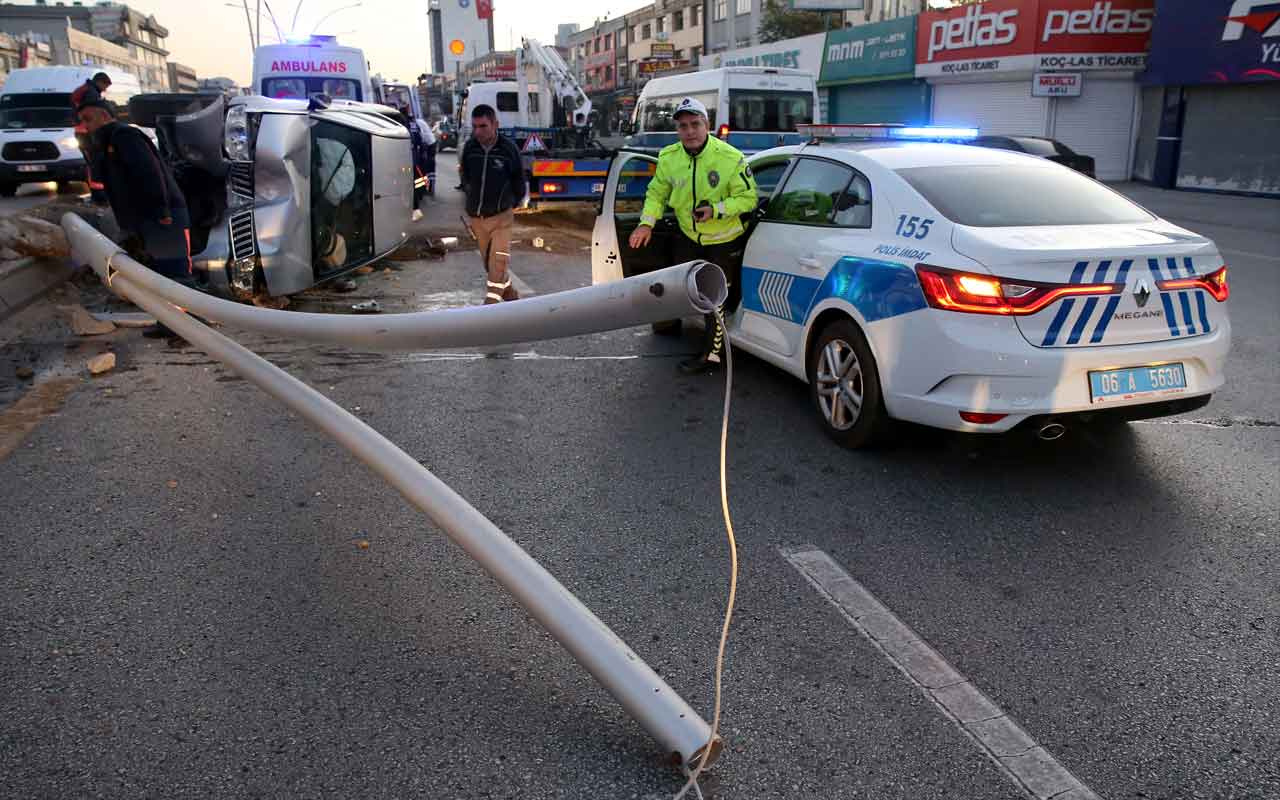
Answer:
(29, 195)
(189, 612)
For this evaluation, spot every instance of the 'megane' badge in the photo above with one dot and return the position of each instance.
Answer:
(746, 170)
(713, 178)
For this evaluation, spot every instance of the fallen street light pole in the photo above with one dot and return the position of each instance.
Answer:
(695, 288)
(640, 691)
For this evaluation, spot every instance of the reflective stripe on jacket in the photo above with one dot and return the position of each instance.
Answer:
(717, 176)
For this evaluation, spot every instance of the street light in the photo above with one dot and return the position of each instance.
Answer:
(331, 13)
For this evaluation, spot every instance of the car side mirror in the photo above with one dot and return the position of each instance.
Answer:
(319, 101)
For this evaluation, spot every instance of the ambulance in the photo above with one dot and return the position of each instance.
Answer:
(300, 68)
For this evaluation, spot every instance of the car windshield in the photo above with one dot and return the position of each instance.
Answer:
(302, 88)
(1007, 195)
(37, 110)
(769, 110)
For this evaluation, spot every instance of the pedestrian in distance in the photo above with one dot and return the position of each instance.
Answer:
(90, 91)
(707, 183)
(493, 178)
(145, 199)
(423, 144)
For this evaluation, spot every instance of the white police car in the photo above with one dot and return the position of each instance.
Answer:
(960, 287)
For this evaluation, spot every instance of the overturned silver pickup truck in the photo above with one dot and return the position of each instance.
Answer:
(283, 194)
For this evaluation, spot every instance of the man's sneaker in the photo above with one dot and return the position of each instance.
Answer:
(700, 364)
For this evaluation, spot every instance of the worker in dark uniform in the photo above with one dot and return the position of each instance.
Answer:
(145, 198)
(493, 175)
(90, 91)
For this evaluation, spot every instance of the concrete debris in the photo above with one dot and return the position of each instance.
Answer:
(35, 237)
(102, 363)
(85, 324)
(9, 254)
(278, 303)
(125, 319)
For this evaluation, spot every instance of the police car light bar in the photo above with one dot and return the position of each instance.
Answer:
(820, 132)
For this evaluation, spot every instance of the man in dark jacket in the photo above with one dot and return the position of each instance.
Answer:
(90, 91)
(493, 177)
(145, 198)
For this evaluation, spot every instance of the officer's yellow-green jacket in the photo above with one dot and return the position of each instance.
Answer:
(718, 175)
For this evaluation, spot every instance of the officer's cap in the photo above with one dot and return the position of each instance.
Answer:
(690, 105)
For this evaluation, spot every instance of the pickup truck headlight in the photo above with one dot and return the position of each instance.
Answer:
(238, 134)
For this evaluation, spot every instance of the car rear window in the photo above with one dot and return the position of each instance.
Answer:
(1005, 195)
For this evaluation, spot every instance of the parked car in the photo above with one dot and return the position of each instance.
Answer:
(446, 135)
(1040, 146)
(283, 194)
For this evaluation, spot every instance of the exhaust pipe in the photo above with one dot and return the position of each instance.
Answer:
(1051, 431)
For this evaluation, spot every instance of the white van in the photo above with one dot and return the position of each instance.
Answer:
(503, 97)
(299, 69)
(753, 108)
(37, 123)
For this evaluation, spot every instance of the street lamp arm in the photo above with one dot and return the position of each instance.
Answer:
(331, 13)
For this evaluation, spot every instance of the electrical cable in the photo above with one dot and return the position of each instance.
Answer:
(692, 782)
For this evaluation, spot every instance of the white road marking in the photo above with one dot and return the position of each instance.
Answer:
(523, 288)
(1249, 254)
(996, 733)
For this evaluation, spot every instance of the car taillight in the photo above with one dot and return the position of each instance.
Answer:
(722, 131)
(1215, 283)
(952, 290)
(981, 417)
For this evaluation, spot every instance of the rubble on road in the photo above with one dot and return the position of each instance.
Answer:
(37, 238)
(104, 362)
(85, 324)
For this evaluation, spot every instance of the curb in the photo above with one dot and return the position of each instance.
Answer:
(26, 280)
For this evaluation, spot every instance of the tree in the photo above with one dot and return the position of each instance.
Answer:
(780, 22)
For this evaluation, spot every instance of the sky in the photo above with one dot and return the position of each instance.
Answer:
(213, 38)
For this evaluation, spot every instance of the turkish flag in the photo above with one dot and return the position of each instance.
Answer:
(484, 9)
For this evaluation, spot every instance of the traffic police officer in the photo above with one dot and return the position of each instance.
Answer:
(707, 183)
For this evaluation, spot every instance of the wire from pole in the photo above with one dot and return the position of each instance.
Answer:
(692, 782)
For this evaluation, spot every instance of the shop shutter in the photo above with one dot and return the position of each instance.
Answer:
(905, 102)
(1229, 139)
(995, 108)
(1144, 152)
(1099, 123)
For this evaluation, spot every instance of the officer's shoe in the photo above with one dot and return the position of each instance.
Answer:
(701, 364)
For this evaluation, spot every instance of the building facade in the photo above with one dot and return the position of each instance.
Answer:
(30, 50)
(665, 39)
(1211, 99)
(868, 75)
(1048, 74)
(182, 78)
(108, 34)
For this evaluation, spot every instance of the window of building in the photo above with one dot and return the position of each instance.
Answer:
(608, 74)
(694, 11)
(608, 41)
(694, 53)
(660, 22)
(744, 7)
(721, 10)
(646, 31)
(677, 20)
(597, 45)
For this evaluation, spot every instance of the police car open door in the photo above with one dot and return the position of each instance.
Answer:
(612, 258)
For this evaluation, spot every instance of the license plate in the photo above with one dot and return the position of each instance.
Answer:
(597, 188)
(1137, 382)
(31, 168)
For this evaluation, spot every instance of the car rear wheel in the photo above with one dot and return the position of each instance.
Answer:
(845, 386)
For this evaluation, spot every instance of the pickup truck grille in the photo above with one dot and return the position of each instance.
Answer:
(243, 240)
(30, 151)
(241, 177)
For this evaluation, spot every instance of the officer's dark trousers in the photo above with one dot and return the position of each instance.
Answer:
(728, 257)
(165, 248)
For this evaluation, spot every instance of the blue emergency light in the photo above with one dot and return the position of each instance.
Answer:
(879, 131)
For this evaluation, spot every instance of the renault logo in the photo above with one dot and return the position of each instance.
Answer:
(1142, 293)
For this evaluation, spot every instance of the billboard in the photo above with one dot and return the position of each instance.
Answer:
(1215, 41)
(802, 52)
(464, 31)
(876, 51)
(1022, 35)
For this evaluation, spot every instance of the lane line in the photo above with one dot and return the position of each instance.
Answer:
(1031, 767)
